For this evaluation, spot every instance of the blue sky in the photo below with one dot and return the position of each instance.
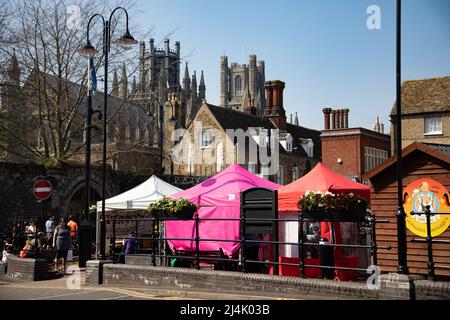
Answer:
(322, 49)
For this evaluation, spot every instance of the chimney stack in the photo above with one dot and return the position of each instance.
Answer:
(334, 119)
(346, 111)
(327, 118)
(274, 103)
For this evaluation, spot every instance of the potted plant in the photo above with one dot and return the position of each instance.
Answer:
(169, 209)
(327, 206)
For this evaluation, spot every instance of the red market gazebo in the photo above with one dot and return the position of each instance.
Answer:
(321, 179)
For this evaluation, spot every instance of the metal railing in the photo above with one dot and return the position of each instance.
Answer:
(241, 263)
(429, 240)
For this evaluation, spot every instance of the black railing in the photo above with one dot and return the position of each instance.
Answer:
(197, 256)
(429, 240)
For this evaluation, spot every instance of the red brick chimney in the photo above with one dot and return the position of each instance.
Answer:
(327, 118)
(274, 103)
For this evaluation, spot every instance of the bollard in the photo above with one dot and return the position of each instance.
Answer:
(326, 259)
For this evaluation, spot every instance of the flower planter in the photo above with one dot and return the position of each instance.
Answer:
(182, 215)
(358, 214)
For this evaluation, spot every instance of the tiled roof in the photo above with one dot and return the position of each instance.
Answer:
(231, 119)
(425, 96)
(445, 148)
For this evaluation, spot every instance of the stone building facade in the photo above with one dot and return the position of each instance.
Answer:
(130, 131)
(218, 137)
(241, 82)
(351, 152)
(425, 112)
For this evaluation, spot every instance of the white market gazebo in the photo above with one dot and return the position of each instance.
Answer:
(140, 197)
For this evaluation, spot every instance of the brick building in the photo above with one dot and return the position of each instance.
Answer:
(352, 151)
(425, 112)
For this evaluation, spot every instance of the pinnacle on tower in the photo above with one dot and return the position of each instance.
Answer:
(134, 85)
(14, 71)
(296, 119)
(194, 86)
(202, 88)
(124, 83)
(115, 84)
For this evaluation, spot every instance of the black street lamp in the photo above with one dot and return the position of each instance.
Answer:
(402, 267)
(161, 129)
(89, 51)
(85, 228)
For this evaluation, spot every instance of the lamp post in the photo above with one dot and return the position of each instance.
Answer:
(89, 51)
(402, 267)
(85, 228)
(161, 130)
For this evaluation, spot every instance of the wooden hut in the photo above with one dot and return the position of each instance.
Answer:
(421, 162)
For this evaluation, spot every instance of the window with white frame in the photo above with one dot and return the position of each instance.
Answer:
(280, 175)
(295, 173)
(206, 141)
(433, 125)
(373, 157)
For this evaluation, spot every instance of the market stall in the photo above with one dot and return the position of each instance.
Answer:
(133, 204)
(320, 179)
(217, 197)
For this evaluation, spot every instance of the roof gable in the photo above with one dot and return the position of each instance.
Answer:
(413, 147)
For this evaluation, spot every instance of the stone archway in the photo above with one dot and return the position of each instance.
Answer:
(76, 197)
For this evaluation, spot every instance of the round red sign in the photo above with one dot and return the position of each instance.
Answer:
(42, 189)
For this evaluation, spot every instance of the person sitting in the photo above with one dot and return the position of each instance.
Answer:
(129, 244)
(29, 250)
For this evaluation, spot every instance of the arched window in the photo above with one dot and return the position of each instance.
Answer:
(237, 86)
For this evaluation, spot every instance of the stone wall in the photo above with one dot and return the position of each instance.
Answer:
(17, 180)
(27, 269)
(223, 281)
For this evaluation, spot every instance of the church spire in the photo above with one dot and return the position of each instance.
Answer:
(186, 80)
(115, 84)
(202, 88)
(124, 83)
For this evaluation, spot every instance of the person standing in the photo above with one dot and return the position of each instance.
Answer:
(62, 242)
(50, 226)
(73, 225)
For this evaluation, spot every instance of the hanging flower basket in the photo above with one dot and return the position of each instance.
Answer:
(326, 206)
(168, 209)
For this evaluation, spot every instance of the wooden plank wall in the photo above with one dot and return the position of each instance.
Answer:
(384, 206)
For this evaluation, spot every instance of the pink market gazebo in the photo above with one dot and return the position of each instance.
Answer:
(218, 197)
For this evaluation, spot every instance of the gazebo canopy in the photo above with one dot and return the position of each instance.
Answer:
(218, 197)
(140, 197)
(321, 179)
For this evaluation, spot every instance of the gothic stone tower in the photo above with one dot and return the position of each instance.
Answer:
(239, 80)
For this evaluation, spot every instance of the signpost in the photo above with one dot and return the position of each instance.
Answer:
(42, 190)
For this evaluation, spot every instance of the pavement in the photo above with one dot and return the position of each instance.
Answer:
(71, 287)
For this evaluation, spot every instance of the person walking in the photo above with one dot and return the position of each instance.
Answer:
(62, 242)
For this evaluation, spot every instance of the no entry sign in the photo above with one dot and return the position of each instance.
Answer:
(42, 189)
